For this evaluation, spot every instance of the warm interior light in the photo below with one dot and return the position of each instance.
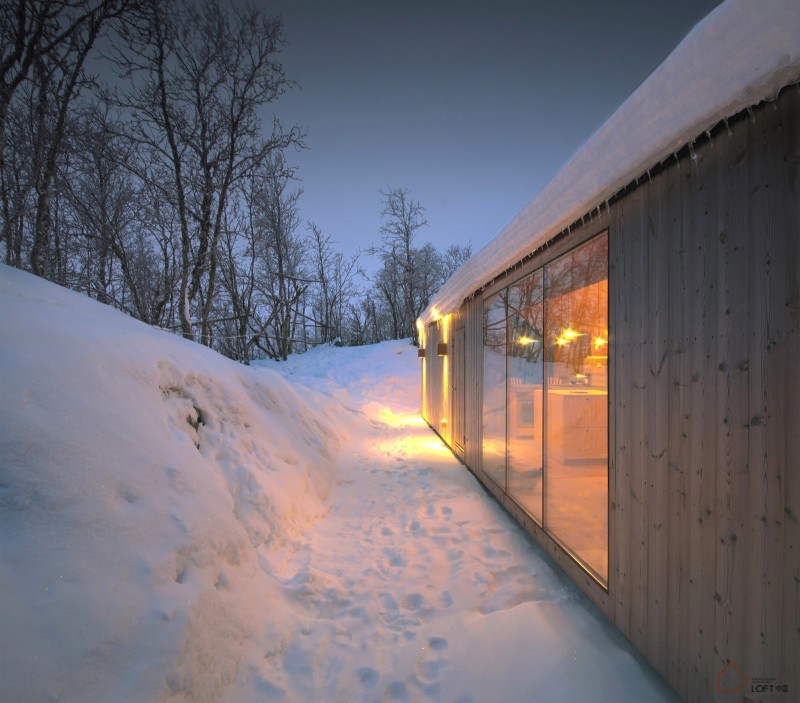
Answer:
(561, 341)
(570, 333)
(525, 340)
(599, 342)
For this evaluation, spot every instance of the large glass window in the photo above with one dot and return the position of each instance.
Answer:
(494, 388)
(576, 378)
(524, 390)
(545, 398)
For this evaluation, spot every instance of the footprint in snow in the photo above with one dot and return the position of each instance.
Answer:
(413, 602)
(367, 676)
(429, 665)
(396, 691)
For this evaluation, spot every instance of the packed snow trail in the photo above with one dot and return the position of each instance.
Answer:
(417, 586)
(177, 527)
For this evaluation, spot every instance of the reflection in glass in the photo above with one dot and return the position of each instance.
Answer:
(494, 388)
(524, 364)
(576, 381)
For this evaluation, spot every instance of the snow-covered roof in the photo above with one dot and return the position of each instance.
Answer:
(742, 53)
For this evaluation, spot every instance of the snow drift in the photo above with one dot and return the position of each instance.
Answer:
(142, 477)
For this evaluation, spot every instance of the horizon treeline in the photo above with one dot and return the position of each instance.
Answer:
(142, 163)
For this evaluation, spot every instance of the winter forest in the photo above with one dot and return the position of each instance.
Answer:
(143, 163)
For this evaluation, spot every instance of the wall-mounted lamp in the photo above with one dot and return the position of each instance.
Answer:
(441, 349)
(421, 352)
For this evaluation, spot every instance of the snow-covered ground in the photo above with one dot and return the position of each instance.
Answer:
(177, 527)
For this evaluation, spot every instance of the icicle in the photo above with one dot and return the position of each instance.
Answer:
(675, 155)
(710, 141)
(692, 152)
(608, 209)
(752, 115)
(727, 127)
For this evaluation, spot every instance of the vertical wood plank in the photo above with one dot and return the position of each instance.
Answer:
(701, 311)
(790, 602)
(677, 436)
(658, 421)
(639, 440)
(621, 349)
(613, 527)
(732, 404)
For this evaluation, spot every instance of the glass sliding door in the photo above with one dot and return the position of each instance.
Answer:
(576, 402)
(524, 394)
(494, 387)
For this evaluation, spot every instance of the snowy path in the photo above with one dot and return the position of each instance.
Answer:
(417, 586)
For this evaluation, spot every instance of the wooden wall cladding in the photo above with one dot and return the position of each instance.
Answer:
(705, 539)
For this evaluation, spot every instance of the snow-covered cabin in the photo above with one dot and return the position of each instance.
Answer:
(620, 366)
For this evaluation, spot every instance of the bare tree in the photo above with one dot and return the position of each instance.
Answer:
(334, 285)
(44, 44)
(281, 278)
(200, 77)
(454, 257)
(127, 261)
(16, 183)
(402, 218)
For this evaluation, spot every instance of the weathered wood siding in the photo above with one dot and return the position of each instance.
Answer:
(704, 268)
(704, 423)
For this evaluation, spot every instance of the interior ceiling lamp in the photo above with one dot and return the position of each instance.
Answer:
(526, 340)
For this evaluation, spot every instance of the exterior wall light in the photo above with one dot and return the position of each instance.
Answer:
(441, 349)
(421, 352)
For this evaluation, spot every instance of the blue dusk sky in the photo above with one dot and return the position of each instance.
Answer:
(471, 106)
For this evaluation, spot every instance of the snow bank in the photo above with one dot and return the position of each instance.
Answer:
(743, 52)
(142, 480)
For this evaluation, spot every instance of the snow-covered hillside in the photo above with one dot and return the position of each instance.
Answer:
(177, 527)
